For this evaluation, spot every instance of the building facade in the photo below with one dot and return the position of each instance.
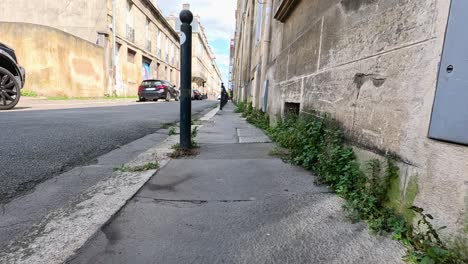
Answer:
(371, 65)
(146, 46)
(206, 76)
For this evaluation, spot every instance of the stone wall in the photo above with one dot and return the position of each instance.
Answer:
(372, 65)
(56, 63)
(82, 18)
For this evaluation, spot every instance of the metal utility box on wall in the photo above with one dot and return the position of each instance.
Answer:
(449, 120)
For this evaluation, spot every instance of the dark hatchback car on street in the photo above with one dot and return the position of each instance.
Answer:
(196, 95)
(157, 89)
(12, 78)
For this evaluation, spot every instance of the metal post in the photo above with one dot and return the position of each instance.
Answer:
(186, 17)
(114, 47)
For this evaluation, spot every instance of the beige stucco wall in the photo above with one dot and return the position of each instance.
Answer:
(373, 66)
(56, 63)
(82, 18)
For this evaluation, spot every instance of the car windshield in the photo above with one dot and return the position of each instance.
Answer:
(151, 83)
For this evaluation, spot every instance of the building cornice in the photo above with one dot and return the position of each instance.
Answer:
(163, 19)
(285, 9)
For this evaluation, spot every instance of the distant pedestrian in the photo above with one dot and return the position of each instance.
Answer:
(224, 96)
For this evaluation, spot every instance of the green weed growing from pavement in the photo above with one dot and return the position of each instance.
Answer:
(253, 116)
(179, 152)
(278, 152)
(194, 136)
(240, 107)
(318, 144)
(172, 131)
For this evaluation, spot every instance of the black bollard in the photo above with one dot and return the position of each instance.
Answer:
(186, 17)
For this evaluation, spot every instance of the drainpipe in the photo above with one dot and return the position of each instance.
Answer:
(241, 64)
(115, 55)
(265, 47)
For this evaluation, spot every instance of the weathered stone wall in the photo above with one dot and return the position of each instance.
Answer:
(56, 63)
(372, 64)
(82, 18)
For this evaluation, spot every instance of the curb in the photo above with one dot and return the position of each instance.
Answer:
(60, 235)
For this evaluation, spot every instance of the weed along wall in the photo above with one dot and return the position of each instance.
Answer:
(372, 66)
(56, 63)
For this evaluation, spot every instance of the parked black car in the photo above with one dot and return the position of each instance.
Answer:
(157, 89)
(196, 95)
(12, 78)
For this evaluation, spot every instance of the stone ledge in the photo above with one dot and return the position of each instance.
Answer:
(285, 8)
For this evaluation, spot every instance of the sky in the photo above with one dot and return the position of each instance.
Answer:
(218, 18)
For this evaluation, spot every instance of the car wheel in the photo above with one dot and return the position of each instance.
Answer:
(155, 99)
(142, 99)
(9, 90)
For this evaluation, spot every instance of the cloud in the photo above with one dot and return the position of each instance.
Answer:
(218, 18)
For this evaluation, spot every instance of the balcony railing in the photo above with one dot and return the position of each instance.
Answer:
(130, 34)
(148, 45)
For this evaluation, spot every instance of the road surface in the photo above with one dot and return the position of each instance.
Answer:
(44, 142)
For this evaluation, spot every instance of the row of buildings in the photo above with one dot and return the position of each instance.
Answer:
(382, 70)
(206, 76)
(92, 48)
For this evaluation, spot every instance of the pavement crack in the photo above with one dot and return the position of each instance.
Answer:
(190, 201)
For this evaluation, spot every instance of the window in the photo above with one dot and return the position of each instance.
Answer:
(129, 14)
(158, 44)
(151, 83)
(172, 53)
(167, 49)
(200, 49)
(130, 30)
(131, 56)
(147, 29)
(159, 39)
(167, 45)
(258, 31)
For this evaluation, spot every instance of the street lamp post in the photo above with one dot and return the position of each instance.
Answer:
(186, 17)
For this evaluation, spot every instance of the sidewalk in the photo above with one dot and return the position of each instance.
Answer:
(233, 203)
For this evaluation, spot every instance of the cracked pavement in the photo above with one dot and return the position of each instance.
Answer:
(233, 203)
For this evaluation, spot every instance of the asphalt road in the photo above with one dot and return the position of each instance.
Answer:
(38, 145)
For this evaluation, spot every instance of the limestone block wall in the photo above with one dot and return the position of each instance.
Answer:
(56, 63)
(372, 64)
(82, 18)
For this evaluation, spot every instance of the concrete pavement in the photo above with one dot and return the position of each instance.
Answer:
(233, 203)
(78, 135)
